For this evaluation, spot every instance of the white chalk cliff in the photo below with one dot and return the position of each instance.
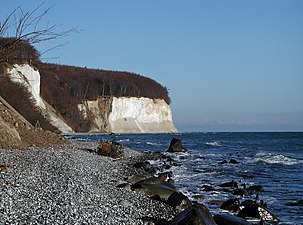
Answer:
(129, 115)
(141, 115)
(110, 114)
(30, 78)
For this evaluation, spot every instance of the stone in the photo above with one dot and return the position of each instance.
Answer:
(258, 211)
(198, 214)
(231, 205)
(256, 188)
(241, 192)
(229, 184)
(111, 149)
(227, 219)
(155, 186)
(176, 146)
(207, 188)
(178, 198)
(233, 161)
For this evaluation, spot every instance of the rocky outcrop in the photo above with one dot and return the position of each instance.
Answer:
(176, 146)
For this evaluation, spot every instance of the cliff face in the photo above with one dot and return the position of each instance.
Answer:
(141, 115)
(106, 114)
(30, 78)
(129, 115)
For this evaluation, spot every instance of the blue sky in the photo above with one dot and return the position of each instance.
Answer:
(230, 65)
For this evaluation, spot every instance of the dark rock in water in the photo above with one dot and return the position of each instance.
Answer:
(176, 146)
(298, 203)
(231, 205)
(197, 214)
(223, 162)
(247, 202)
(241, 192)
(256, 188)
(207, 188)
(177, 199)
(226, 219)
(229, 184)
(233, 161)
(257, 211)
(110, 148)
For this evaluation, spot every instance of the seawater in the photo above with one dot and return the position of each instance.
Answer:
(273, 160)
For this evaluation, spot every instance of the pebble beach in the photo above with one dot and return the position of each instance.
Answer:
(72, 185)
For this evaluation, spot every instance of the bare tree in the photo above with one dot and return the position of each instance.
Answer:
(27, 28)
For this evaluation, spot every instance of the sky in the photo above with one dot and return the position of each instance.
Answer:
(229, 65)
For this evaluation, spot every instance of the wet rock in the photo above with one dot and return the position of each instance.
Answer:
(227, 219)
(247, 202)
(178, 199)
(258, 211)
(223, 162)
(233, 161)
(207, 188)
(111, 149)
(231, 205)
(241, 192)
(155, 186)
(256, 188)
(197, 214)
(229, 184)
(176, 146)
(297, 203)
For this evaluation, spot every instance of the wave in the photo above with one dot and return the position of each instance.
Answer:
(152, 143)
(214, 143)
(275, 159)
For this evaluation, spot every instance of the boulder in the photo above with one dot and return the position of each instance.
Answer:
(297, 203)
(231, 205)
(176, 146)
(227, 219)
(258, 211)
(230, 184)
(178, 199)
(207, 188)
(256, 188)
(197, 214)
(111, 149)
(155, 186)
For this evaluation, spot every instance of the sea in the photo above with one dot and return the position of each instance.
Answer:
(271, 159)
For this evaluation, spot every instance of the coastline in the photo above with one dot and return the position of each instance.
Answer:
(71, 185)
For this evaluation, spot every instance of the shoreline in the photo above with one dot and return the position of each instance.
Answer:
(70, 185)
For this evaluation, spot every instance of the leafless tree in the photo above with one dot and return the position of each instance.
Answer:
(27, 28)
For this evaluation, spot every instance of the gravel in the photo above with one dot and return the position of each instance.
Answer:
(71, 185)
